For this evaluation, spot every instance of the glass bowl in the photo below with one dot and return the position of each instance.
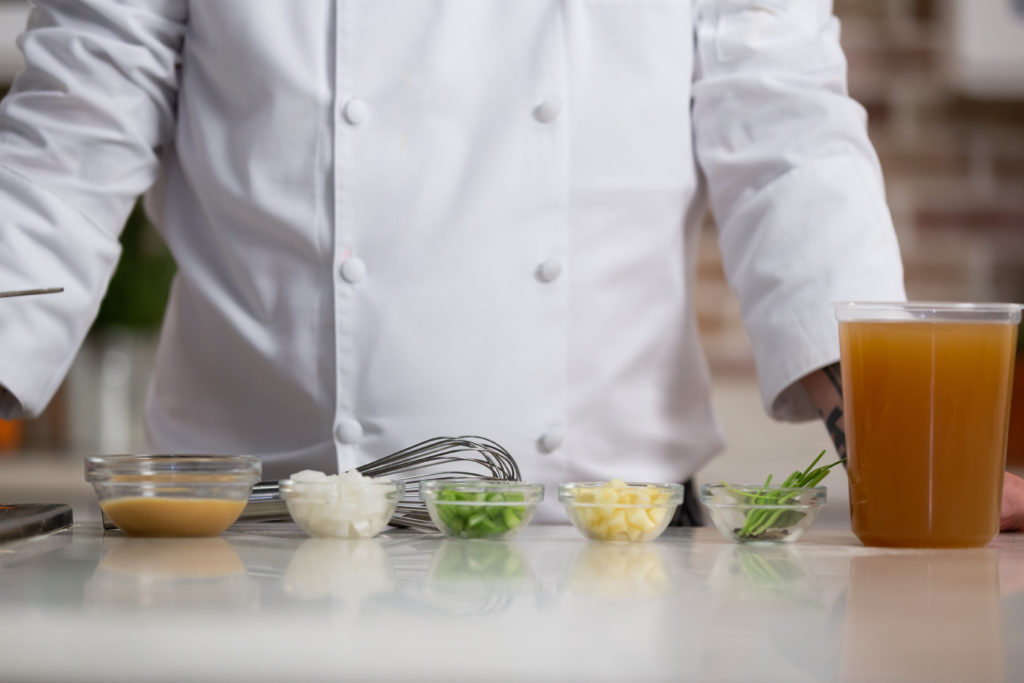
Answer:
(480, 508)
(337, 507)
(172, 495)
(754, 513)
(620, 511)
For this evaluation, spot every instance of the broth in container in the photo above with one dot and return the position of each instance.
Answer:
(927, 400)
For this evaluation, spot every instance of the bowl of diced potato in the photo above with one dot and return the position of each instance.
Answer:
(620, 511)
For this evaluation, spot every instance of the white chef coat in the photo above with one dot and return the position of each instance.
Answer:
(395, 220)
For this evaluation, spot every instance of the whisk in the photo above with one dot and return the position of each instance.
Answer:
(443, 457)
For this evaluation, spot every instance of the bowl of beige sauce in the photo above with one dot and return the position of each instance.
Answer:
(176, 496)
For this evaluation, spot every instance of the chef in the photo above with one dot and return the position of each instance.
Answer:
(395, 220)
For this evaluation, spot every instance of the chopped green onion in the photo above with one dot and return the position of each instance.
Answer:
(490, 515)
(758, 522)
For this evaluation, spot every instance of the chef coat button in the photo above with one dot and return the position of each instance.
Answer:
(356, 112)
(552, 440)
(348, 430)
(353, 269)
(547, 111)
(549, 270)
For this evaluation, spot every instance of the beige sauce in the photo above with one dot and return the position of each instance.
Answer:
(173, 517)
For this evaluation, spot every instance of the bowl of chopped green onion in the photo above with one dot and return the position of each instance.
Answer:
(480, 508)
(767, 513)
(756, 513)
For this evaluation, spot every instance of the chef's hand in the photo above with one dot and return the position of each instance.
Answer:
(1011, 517)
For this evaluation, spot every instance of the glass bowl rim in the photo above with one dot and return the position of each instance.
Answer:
(567, 493)
(100, 468)
(818, 495)
(533, 493)
(288, 487)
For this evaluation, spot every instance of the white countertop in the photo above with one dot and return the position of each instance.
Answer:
(262, 602)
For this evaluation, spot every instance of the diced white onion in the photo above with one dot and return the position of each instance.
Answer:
(346, 505)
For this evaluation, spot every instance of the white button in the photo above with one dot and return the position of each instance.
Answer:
(547, 111)
(348, 430)
(356, 112)
(552, 439)
(549, 270)
(353, 269)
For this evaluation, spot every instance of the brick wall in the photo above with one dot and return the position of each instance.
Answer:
(954, 170)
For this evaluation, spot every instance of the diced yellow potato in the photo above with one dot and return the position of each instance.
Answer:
(618, 522)
(586, 515)
(619, 511)
(638, 519)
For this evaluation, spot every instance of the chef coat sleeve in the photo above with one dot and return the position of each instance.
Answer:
(80, 138)
(794, 184)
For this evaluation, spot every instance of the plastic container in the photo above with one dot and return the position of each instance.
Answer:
(620, 511)
(172, 495)
(335, 509)
(753, 513)
(480, 508)
(926, 390)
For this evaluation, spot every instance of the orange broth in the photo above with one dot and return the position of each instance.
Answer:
(927, 406)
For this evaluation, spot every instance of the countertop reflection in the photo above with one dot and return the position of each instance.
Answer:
(171, 574)
(263, 602)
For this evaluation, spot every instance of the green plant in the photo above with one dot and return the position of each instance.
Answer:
(138, 291)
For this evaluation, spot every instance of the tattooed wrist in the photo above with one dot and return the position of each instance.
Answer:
(834, 423)
(835, 376)
(826, 390)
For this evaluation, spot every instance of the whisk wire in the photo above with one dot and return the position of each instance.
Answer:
(427, 459)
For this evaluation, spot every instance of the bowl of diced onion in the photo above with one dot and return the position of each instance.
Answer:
(346, 505)
(620, 511)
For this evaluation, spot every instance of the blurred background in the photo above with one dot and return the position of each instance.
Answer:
(943, 84)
